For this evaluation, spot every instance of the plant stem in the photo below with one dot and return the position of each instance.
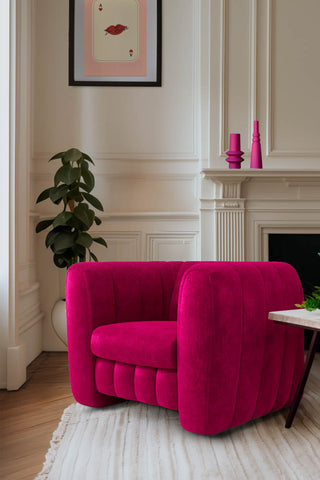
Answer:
(71, 205)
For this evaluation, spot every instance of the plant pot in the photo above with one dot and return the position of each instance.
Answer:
(59, 320)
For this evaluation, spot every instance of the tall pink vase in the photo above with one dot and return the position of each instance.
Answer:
(256, 157)
(234, 153)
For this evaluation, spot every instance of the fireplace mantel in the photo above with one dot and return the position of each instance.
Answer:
(240, 207)
(240, 175)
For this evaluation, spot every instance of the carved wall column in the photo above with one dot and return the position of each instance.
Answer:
(222, 218)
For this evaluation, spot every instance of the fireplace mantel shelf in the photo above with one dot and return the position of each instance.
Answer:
(225, 175)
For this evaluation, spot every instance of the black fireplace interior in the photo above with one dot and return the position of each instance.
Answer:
(301, 251)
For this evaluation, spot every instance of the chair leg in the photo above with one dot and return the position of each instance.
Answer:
(303, 379)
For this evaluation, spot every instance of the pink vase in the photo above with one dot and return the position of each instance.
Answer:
(234, 153)
(256, 157)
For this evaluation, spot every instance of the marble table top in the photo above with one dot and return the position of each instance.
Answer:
(300, 317)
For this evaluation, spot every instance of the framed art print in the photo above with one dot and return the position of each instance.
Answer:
(115, 42)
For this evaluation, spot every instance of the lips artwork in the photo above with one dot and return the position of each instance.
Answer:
(115, 29)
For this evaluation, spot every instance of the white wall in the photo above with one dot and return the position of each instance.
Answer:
(225, 64)
(264, 67)
(144, 141)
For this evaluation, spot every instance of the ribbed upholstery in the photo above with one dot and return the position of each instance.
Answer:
(233, 364)
(144, 384)
(175, 293)
(226, 343)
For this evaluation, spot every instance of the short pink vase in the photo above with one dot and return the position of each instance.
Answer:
(234, 153)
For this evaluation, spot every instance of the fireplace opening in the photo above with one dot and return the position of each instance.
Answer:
(301, 251)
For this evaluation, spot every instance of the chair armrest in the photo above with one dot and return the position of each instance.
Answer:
(85, 305)
(233, 363)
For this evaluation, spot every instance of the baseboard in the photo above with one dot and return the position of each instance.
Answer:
(16, 366)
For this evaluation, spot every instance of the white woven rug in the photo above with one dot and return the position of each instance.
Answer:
(132, 441)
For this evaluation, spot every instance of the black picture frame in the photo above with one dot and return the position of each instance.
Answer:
(76, 79)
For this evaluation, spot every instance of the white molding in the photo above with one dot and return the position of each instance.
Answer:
(270, 151)
(205, 50)
(263, 228)
(229, 239)
(284, 210)
(263, 174)
(134, 236)
(28, 317)
(8, 326)
(143, 177)
(253, 65)
(125, 157)
(148, 216)
(31, 337)
(12, 253)
(30, 290)
(223, 77)
(30, 322)
(16, 366)
(207, 204)
(196, 62)
(294, 153)
(269, 133)
(223, 71)
(155, 240)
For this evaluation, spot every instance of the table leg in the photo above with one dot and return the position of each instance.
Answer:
(307, 366)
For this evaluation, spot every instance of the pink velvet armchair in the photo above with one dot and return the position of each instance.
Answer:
(189, 336)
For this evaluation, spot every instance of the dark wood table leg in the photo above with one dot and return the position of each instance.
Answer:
(307, 366)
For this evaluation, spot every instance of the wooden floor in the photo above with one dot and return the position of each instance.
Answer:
(29, 416)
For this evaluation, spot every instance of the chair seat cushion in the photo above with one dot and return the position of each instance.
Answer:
(149, 344)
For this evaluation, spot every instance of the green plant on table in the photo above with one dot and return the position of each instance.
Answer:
(68, 237)
(312, 302)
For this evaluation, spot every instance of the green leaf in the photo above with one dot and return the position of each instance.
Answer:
(74, 194)
(97, 221)
(62, 219)
(72, 155)
(52, 235)
(67, 175)
(92, 255)
(60, 261)
(93, 200)
(84, 165)
(57, 193)
(57, 155)
(312, 302)
(63, 241)
(83, 213)
(79, 250)
(43, 225)
(43, 195)
(88, 179)
(77, 224)
(84, 187)
(101, 241)
(88, 158)
(84, 239)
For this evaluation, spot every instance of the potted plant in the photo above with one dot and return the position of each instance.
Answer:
(68, 237)
(312, 302)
